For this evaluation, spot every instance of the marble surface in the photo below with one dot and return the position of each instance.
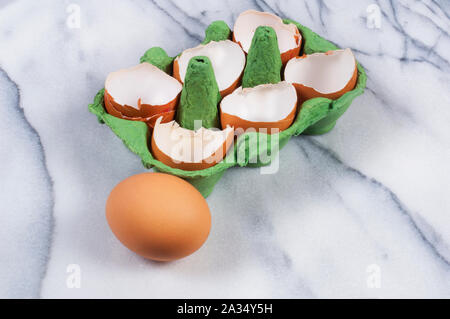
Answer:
(363, 211)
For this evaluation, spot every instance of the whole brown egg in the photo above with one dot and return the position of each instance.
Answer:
(158, 216)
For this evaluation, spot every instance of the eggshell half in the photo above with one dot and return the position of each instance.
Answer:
(288, 35)
(166, 116)
(142, 91)
(328, 75)
(158, 216)
(190, 150)
(227, 59)
(265, 106)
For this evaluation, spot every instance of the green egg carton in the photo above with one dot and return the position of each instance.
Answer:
(316, 116)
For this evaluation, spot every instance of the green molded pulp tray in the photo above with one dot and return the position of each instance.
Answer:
(316, 116)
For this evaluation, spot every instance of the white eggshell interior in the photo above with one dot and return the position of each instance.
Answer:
(183, 145)
(262, 103)
(143, 81)
(227, 59)
(247, 22)
(325, 73)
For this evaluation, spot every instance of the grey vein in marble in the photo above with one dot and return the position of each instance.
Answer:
(429, 238)
(27, 200)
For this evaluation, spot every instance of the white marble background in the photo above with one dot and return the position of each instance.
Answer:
(374, 191)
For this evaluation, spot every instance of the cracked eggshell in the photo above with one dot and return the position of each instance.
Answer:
(150, 120)
(264, 106)
(190, 150)
(328, 75)
(141, 91)
(288, 35)
(227, 59)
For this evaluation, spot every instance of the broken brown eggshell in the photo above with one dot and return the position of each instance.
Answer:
(329, 75)
(227, 59)
(190, 150)
(141, 93)
(263, 107)
(150, 120)
(288, 35)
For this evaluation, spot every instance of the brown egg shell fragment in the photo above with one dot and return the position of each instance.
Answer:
(145, 110)
(277, 24)
(286, 56)
(232, 87)
(266, 106)
(210, 161)
(150, 120)
(176, 71)
(223, 93)
(202, 50)
(264, 127)
(306, 92)
(139, 85)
